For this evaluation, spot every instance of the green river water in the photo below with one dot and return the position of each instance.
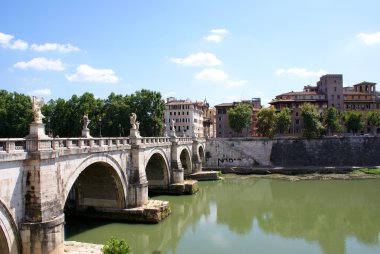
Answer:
(245, 215)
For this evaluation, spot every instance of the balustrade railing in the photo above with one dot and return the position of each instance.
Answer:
(12, 144)
(154, 140)
(21, 144)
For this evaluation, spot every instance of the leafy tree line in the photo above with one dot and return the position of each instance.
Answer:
(63, 117)
(269, 122)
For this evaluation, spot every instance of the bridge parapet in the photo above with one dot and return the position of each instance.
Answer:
(155, 140)
(10, 145)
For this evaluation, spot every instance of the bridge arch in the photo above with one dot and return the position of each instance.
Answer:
(9, 237)
(157, 171)
(98, 181)
(185, 159)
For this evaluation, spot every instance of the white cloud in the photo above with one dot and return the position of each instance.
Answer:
(212, 75)
(40, 92)
(65, 48)
(237, 83)
(369, 38)
(19, 44)
(6, 41)
(86, 73)
(213, 37)
(198, 59)
(301, 72)
(41, 64)
(216, 35)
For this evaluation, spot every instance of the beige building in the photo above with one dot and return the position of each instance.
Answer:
(190, 117)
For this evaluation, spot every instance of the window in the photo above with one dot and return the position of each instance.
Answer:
(335, 86)
(338, 96)
(297, 121)
(187, 113)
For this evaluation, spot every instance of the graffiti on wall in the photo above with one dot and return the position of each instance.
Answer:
(227, 160)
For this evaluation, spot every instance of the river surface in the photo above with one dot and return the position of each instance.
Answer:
(247, 215)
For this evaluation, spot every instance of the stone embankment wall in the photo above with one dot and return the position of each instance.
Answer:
(295, 152)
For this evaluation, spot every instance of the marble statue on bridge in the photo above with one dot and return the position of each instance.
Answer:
(36, 107)
(85, 130)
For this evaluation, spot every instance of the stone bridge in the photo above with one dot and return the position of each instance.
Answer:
(40, 176)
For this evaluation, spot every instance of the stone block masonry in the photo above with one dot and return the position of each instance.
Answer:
(297, 152)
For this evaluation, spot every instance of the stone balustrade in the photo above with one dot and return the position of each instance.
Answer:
(10, 145)
(22, 144)
(154, 140)
(185, 139)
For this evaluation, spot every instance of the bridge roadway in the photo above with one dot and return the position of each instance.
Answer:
(39, 176)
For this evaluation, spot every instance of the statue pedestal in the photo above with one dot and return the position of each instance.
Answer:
(37, 131)
(86, 133)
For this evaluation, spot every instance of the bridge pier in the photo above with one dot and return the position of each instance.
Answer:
(176, 166)
(43, 229)
(43, 237)
(197, 158)
(138, 183)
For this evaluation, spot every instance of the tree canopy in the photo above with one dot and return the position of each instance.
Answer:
(331, 120)
(15, 114)
(266, 119)
(311, 123)
(240, 117)
(63, 118)
(283, 120)
(353, 121)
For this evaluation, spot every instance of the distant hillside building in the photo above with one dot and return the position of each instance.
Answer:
(223, 129)
(329, 92)
(190, 117)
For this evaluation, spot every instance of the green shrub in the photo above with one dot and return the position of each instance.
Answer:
(116, 246)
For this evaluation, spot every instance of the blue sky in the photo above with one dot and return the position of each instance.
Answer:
(223, 51)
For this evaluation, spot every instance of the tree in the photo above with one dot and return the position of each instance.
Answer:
(283, 120)
(116, 115)
(239, 117)
(373, 119)
(150, 110)
(15, 114)
(311, 124)
(331, 120)
(353, 121)
(266, 122)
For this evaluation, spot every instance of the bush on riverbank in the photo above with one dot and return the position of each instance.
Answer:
(375, 171)
(116, 246)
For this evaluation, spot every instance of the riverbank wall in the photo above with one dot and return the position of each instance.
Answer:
(332, 154)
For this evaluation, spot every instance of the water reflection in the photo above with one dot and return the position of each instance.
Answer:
(239, 214)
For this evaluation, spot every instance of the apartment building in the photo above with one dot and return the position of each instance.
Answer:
(191, 118)
(328, 92)
(223, 129)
